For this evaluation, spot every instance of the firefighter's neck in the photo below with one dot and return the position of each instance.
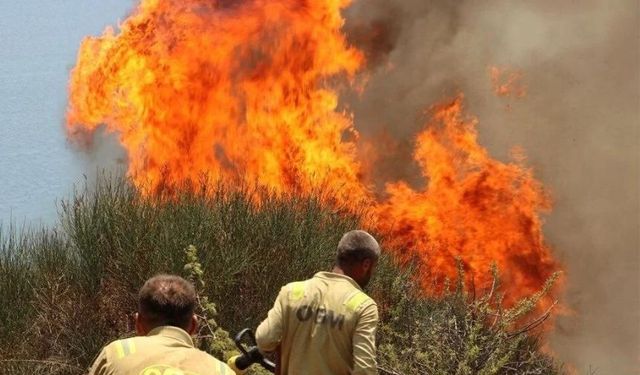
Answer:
(143, 327)
(351, 272)
(337, 269)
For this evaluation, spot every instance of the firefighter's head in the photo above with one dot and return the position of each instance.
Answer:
(358, 254)
(166, 300)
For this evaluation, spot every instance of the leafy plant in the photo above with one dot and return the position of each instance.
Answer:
(70, 289)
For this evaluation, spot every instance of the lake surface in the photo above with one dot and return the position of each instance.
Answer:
(38, 43)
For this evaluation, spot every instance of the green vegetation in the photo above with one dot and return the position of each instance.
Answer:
(68, 290)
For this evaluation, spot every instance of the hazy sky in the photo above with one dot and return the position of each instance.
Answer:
(38, 43)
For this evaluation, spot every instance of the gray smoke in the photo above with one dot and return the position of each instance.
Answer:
(579, 125)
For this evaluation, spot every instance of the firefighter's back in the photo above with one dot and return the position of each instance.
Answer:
(321, 315)
(165, 351)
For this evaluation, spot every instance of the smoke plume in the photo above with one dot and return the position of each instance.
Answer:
(578, 124)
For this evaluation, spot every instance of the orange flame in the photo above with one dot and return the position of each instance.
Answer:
(248, 90)
(232, 90)
(474, 209)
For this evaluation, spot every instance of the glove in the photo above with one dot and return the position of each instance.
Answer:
(240, 363)
(232, 363)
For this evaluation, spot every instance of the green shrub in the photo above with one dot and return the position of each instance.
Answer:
(69, 290)
(457, 333)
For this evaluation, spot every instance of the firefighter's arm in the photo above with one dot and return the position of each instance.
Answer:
(364, 342)
(269, 332)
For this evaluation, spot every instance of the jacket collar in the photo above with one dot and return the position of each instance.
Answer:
(172, 332)
(337, 276)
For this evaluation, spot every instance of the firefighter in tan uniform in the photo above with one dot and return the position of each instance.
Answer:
(327, 324)
(165, 322)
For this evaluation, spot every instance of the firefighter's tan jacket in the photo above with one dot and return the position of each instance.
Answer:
(324, 325)
(164, 351)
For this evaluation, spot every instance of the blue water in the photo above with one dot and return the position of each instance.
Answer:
(38, 43)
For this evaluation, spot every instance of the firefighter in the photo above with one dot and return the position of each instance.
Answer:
(327, 324)
(165, 322)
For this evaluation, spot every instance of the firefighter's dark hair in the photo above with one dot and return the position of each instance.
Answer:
(167, 300)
